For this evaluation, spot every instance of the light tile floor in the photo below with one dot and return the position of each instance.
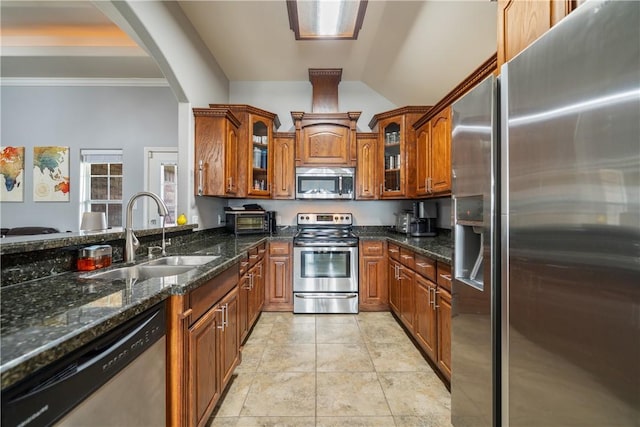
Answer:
(332, 370)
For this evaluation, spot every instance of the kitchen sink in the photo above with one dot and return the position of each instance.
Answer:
(160, 267)
(141, 272)
(182, 260)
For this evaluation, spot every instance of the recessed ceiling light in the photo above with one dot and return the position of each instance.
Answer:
(326, 19)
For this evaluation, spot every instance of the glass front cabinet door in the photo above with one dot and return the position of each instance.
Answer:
(260, 167)
(393, 168)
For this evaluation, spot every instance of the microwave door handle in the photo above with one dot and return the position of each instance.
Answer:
(340, 185)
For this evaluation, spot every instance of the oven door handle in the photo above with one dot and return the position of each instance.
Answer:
(317, 296)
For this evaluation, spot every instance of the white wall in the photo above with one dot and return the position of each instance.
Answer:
(130, 118)
(193, 74)
(284, 97)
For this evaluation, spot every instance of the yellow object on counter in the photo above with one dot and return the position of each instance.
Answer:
(182, 220)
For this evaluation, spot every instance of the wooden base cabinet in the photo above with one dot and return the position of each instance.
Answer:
(443, 305)
(420, 297)
(252, 282)
(279, 283)
(373, 287)
(203, 348)
(212, 356)
(426, 317)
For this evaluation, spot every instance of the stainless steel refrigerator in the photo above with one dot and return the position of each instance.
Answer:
(546, 212)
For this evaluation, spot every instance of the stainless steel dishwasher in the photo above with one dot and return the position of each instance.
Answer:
(119, 379)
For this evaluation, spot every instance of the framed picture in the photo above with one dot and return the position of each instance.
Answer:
(51, 174)
(11, 174)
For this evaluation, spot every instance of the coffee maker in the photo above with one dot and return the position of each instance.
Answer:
(423, 223)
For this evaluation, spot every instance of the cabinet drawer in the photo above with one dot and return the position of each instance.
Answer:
(257, 253)
(444, 275)
(394, 251)
(262, 249)
(426, 267)
(207, 295)
(279, 248)
(244, 265)
(372, 248)
(407, 258)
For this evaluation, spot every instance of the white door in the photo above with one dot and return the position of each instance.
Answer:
(161, 178)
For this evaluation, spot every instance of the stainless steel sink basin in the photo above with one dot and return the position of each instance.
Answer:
(180, 260)
(141, 272)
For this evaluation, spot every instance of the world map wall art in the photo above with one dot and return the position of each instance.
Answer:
(50, 174)
(11, 174)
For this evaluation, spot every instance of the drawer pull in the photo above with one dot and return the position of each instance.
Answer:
(423, 265)
(186, 313)
(406, 256)
(446, 276)
(393, 250)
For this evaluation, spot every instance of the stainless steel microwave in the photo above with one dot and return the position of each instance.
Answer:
(325, 183)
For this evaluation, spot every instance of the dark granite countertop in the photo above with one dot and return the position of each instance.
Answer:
(439, 247)
(42, 320)
(17, 244)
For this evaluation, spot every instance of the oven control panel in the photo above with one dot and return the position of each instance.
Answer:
(325, 219)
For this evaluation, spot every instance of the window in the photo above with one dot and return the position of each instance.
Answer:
(169, 191)
(101, 184)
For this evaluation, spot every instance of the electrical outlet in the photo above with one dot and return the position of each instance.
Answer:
(220, 220)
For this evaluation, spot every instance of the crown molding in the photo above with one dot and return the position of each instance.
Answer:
(65, 81)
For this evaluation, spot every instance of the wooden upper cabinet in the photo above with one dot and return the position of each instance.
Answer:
(216, 152)
(433, 155)
(423, 156)
(367, 155)
(255, 158)
(521, 22)
(283, 178)
(325, 139)
(440, 179)
(396, 150)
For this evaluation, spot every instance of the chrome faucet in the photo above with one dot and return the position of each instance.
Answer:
(131, 241)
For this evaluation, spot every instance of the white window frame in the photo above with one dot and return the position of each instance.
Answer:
(87, 158)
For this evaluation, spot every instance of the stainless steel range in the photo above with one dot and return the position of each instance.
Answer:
(325, 265)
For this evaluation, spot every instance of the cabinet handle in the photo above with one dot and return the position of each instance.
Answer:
(406, 256)
(381, 189)
(200, 178)
(399, 268)
(260, 275)
(226, 315)
(221, 310)
(422, 265)
(446, 276)
(435, 305)
(229, 183)
(393, 250)
(429, 185)
(244, 263)
(250, 281)
(429, 296)
(186, 313)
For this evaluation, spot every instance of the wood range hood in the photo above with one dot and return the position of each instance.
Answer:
(325, 137)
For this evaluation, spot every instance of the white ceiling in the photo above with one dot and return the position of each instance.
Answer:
(411, 52)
